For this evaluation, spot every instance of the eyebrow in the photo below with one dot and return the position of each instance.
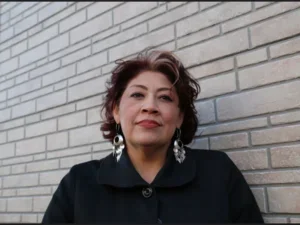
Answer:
(144, 87)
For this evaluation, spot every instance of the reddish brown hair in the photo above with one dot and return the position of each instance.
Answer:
(157, 61)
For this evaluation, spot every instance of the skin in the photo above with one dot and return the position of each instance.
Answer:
(148, 96)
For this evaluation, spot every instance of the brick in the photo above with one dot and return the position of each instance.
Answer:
(45, 69)
(22, 78)
(2, 205)
(3, 96)
(92, 62)
(205, 112)
(72, 21)
(38, 93)
(94, 115)
(4, 18)
(23, 204)
(76, 56)
(39, 156)
(35, 29)
(174, 15)
(30, 146)
(152, 39)
(17, 160)
(235, 126)
(8, 150)
(250, 159)
(9, 65)
(259, 195)
(26, 23)
(284, 199)
(52, 100)
(213, 16)
(43, 36)
(119, 38)
(275, 219)
(100, 7)
(21, 7)
(42, 165)
(40, 218)
(59, 16)
(81, 5)
(295, 220)
(23, 109)
(5, 170)
(145, 16)
(73, 160)
(51, 9)
(15, 134)
(85, 135)
(91, 27)
(105, 34)
(217, 85)
(261, 4)
(9, 193)
(11, 124)
(84, 77)
(87, 88)
(40, 204)
(285, 48)
(102, 146)
(225, 45)
(24, 88)
(4, 55)
(34, 191)
(53, 177)
(6, 84)
(13, 101)
(258, 15)
(198, 36)
(29, 218)
(61, 85)
(267, 31)
(131, 9)
(58, 111)
(24, 180)
(2, 137)
(34, 54)
(72, 120)
(199, 143)
(172, 5)
(276, 135)
(288, 117)
(32, 118)
(59, 43)
(108, 68)
(41, 128)
(20, 71)
(285, 156)
(68, 152)
(252, 57)
(284, 69)
(10, 218)
(100, 155)
(57, 141)
(7, 34)
(206, 5)
(13, 40)
(89, 102)
(35, 8)
(59, 75)
(251, 103)
(15, 169)
(273, 177)
(229, 141)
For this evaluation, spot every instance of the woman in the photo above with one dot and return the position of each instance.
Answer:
(151, 177)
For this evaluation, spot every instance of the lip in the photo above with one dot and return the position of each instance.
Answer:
(148, 123)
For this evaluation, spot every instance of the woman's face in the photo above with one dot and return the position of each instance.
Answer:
(148, 111)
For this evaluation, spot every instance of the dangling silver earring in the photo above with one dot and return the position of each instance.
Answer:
(118, 144)
(178, 149)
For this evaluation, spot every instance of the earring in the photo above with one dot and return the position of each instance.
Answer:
(118, 144)
(178, 149)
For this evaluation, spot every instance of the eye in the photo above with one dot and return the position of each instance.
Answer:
(136, 95)
(167, 98)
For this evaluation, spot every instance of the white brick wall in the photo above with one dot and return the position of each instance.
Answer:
(56, 56)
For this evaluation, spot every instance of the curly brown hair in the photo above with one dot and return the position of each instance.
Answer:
(157, 61)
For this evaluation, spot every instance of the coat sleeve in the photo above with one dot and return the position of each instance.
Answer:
(242, 204)
(61, 206)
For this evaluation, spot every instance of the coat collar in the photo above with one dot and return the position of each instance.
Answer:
(124, 175)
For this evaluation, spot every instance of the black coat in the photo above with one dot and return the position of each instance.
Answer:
(206, 188)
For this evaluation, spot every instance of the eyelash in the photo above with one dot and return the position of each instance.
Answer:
(138, 95)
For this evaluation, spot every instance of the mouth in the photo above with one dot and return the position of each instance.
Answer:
(148, 123)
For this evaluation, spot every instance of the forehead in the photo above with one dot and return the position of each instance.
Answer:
(151, 79)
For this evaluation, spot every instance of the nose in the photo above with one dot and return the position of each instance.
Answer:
(149, 105)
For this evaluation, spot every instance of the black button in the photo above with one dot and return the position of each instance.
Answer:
(147, 192)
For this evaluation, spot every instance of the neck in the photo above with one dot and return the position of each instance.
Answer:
(147, 160)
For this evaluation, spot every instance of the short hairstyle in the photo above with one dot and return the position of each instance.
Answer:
(166, 63)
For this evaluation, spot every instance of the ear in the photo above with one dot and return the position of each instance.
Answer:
(180, 119)
(116, 114)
